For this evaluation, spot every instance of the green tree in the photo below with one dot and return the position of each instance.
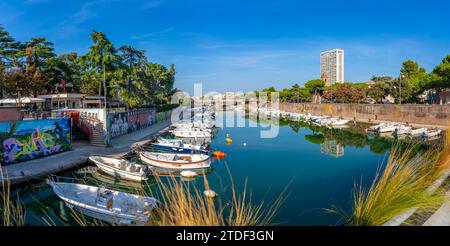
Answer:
(345, 93)
(315, 86)
(378, 91)
(101, 58)
(8, 48)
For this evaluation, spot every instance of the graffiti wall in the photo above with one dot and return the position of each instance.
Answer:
(30, 139)
(122, 123)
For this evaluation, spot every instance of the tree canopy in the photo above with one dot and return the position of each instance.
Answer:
(33, 68)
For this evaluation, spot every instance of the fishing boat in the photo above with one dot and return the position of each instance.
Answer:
(175, 161)
(179, 146)
(121, 168)
(104, 204)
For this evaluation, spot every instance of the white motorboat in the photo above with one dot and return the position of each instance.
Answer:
(121, 168)
(433, 132)
(179, 146)
(175, 161)
(418, 132)
(191, 133)
(389, 127)
(108, 205)
(402, 130)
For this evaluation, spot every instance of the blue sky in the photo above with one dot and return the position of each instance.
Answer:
(247, 44)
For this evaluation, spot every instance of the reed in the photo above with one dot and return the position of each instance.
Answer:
(186, 205)
(402, 185)
(12, 212)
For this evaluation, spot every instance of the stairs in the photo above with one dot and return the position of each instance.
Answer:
(97, 137)
(93, 129)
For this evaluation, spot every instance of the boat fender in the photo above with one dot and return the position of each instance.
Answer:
(210, 193)
(188, 174)
(219, 154)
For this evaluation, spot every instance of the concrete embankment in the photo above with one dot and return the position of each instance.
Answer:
(414, 114)
(29, 171)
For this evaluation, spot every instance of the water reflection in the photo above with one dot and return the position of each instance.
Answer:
(332, 148)
(334, 140)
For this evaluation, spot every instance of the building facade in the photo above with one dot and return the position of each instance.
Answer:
(332, 66)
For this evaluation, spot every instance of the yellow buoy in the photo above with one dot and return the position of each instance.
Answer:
(229, 140)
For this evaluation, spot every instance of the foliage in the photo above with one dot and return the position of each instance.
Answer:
(124, 74)
(402, 185)
(345, 93)
(189, 207)
(315, 86)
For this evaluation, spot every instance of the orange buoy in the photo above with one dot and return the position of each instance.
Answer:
(219, 154)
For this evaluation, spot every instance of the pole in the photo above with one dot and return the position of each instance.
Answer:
(400, 89)
(104, 84)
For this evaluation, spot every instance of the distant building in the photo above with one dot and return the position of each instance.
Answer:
(332, 66)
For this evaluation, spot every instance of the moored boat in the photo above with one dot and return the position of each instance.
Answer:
(104, 204)
(433, 132)
(190, 133)
(121, 168)
(175, 161)
(179, 146)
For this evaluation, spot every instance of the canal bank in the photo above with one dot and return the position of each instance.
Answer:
(417, 115)
(32, 170)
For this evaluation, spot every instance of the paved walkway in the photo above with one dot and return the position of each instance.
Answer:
(39, 168)
(442, 216)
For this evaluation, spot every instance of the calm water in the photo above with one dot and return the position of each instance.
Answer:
(321, 167)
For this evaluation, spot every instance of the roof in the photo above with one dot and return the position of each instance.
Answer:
(70, 96)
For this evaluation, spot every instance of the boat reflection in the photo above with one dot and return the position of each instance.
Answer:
(113, 182)
(164, 172)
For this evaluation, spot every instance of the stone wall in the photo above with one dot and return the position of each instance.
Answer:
(432, 114)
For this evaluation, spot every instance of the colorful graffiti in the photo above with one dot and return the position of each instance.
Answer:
(30, 139)
(122, 123)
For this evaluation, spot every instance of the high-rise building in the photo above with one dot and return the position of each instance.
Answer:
(332, 66)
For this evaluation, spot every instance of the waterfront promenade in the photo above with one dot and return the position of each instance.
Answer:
(32, 170)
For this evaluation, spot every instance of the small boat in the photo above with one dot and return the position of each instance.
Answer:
(433, 132)
(401, 130)
(175, 161)
(389, 127)
(121, 168)
(417, 132)
(112, 206)
(179, 146)
(191, 133)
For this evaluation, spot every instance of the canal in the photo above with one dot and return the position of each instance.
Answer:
(319, 167)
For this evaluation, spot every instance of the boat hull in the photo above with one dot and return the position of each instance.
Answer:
(172, 165)
(120, 174)
(179, 149)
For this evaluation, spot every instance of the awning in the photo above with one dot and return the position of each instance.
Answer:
(22, 100)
